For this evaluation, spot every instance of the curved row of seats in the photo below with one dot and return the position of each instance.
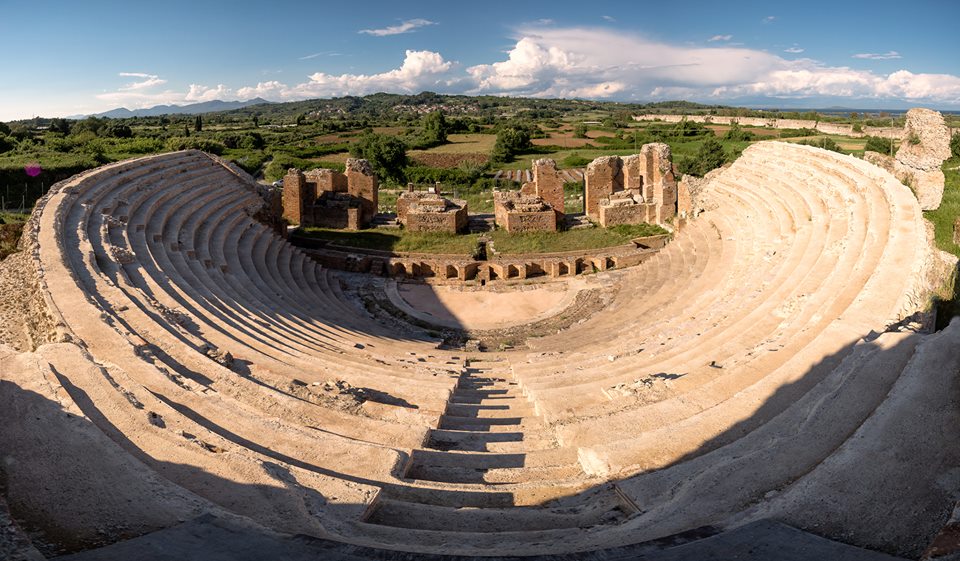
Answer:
(265, 376)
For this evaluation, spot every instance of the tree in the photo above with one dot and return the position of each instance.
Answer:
(120, 130)
(387, 155)
(198, 124)
(256, 121)
(879, 144)
(186, 130)
(435, 129)
(510, 141)
(6, 143)
(955, 145)
(580, 130)
(709, 157)
(737, 134)
(92, 124)
(60, 125)
(4, 128)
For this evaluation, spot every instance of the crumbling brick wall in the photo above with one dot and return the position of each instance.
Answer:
(325, 198)
(641, 179)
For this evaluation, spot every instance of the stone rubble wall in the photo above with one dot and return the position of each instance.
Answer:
(773, 123)
(925, 146)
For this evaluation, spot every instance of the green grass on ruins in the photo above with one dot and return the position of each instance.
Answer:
(571, 240)
(943, 217)
(392, 239)
(947, 299)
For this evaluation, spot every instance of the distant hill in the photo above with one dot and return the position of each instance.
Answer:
(192, 109)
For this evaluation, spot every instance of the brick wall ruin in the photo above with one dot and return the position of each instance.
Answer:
(633, 189)
(548, 185)
(330, 199)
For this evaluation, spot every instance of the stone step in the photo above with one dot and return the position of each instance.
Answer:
(511, 472)
(501, 442)
(399, 514)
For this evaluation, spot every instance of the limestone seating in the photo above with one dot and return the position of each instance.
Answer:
(658, 324)
(627, 362)
(890, 292)
(765, 306)
(221, 413)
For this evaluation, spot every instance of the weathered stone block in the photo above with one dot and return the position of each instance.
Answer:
(926, 140)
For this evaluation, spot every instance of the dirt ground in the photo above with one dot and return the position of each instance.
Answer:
(476, 309)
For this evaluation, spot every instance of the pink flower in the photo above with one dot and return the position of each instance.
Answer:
(33, 170)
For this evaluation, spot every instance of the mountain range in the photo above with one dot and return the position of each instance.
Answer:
(191, 109)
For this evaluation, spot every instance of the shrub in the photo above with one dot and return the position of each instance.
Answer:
(824, 142)
(580, 130)
(954, 145)
(182, 143)
(879, 144)
(6, 143)
(793, 133)
(737, 134)
(575, 161)
(510, 142)
(119, 130)
(709, 156)
(282, 162)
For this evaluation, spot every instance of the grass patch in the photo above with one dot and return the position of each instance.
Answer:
(391, 239)
(947, 299)
(571, 240)
(11, 226)
(944, 216)
(13, 217)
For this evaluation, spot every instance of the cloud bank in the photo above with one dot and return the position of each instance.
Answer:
(594, 63)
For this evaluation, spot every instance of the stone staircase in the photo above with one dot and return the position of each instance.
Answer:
(490, 438)
(479, 223)
(385, 220)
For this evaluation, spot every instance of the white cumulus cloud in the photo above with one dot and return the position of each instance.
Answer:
(406, 26)
(198, 93)
(146, 81)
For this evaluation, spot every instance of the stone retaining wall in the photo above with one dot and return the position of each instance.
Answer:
(441, 268)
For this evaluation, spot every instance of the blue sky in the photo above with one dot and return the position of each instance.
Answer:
(68, 57)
